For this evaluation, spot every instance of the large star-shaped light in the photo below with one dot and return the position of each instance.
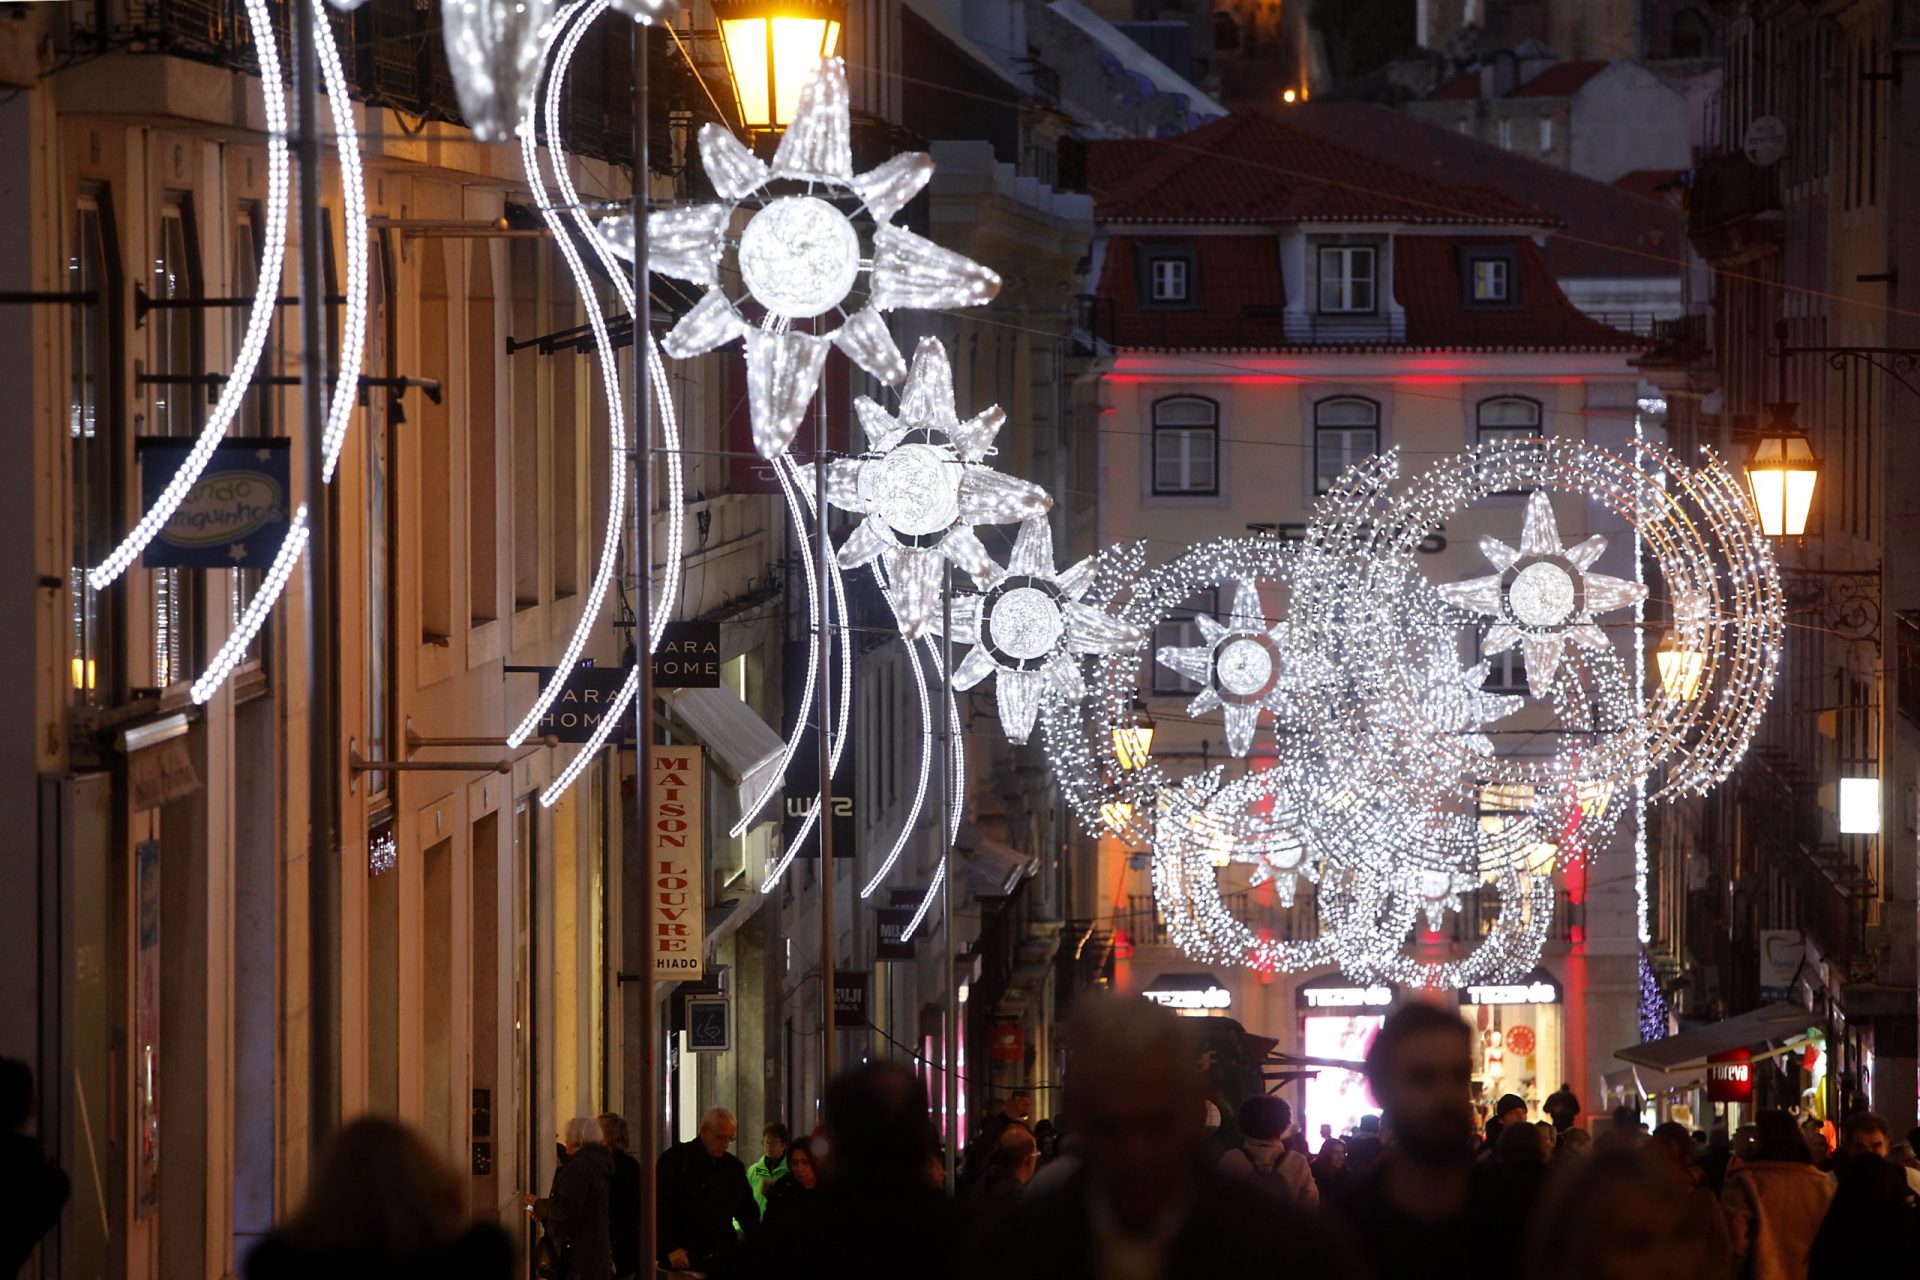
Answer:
(1453, 700)
(1030, 629)
(1543, 595)
(800, 258)
(1244, 667)
(923, 487)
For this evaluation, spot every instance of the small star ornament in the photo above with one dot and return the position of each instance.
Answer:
(1455, 701)
(923, 485)
(800, 259)
(1543, 596)
(1029, 629)
(1243, 666)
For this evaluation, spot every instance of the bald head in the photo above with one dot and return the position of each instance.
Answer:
(717, 1128)
(1016, 1153)
(1135, 1093)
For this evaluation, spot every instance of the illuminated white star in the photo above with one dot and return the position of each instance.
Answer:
(1244, 667)
(1543, 595)
(1455, 701)
(1030, 629)
(800, 257)
(923, 487)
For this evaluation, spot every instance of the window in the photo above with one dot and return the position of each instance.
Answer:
(1488, 279)
(1507, 418)
(1506, 135)
(1180, 631)
(91, 435)
(1168, 279)
(483, 443)
(1546, 134)
(1506, 672)
(1186, 446)
(1346, 278)
(380, 514)
(1346, 430)
(176, 403)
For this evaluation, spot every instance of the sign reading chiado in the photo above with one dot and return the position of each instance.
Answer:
(675, 834)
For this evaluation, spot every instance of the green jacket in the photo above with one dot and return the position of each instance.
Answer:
(762, 1174)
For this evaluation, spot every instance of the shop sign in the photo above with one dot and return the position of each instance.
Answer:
(850, 999)
(893, 922)
(1375, 997)
(707, 1024)
(585, 696)
(688, 656)
(1188, 991)
(1538, 991)
(676, 836)
(1006, 1042)
(234, 516)
(1730, 1076)
(1781, 953)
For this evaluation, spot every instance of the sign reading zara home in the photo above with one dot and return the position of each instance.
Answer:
(688, 656)
(676, 832)
(235, 515)
(587, 694)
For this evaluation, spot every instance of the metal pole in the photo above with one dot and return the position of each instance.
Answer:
(949, 1076)
(323, 676)
(827, 976)
(648, 1033)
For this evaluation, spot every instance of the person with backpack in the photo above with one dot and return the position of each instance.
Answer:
(1263, 1155)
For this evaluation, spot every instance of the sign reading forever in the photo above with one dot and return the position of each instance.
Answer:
(676, 779)
(1730, 1076)
(234, 517)
(688, 656)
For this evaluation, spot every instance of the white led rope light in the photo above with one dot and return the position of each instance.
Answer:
(260, 313)
(912, 820)
(346, 383)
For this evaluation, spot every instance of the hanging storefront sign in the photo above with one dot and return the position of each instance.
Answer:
(234, 517)
(688, 656)
(707, 1023)
(1006, 1042)
(850, 999)
(676, 833)
(893, 923)
(589, 694)
(1781, 954)
(803, 774)
(1730, 1076)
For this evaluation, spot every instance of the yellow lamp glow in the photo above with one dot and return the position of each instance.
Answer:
(1133, 739)
(1116, 814)
(1681, 667)
(1782, 472)
(772, 49)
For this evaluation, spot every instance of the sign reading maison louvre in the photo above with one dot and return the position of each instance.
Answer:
(676, 778)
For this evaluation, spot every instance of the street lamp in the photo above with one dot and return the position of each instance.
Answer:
(1782, 472)
(1681, 667)
(1133, 737)
(772, 47)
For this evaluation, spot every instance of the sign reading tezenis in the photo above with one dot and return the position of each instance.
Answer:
(675, 833)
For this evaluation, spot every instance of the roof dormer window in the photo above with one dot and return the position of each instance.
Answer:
(1487, 275)
(1167, 276)
(1347, 278)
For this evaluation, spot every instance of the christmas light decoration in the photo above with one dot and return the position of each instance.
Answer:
(923, 486)
(494, 50)
(800, 258)
(1029, 627)
(1243, 667)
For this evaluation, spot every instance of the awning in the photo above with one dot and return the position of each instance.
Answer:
(1692, 1048)
(994, 870)
(1646, 1082)
(745, 743)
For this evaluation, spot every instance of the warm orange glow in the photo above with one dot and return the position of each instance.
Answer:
(1681, 667)
(1782, 474)
(771, 52)
(1289, 96)
(1132, 745)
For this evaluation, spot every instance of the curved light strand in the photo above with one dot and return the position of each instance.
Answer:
(912, 819)
(259, 319)
(353, 335)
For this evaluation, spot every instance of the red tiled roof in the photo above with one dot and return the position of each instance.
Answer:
(1462, 88)
(1649, 184)
(1261, 168)
(1233, 274)
(1560, 80)
(1429, 284)
(1606, 231)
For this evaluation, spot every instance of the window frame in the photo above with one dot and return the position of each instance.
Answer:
(1546, 132)
(94, 518)
(1347, 255)
(1323, 430)
(1472, 256)
(1148, 257)
(1187, 431)
(174, 594)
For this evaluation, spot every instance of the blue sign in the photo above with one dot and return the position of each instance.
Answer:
(707, 1024)
(236, 514)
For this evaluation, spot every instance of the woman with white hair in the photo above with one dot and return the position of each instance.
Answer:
(574, 1211)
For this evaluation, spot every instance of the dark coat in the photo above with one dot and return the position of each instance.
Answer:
(576, 1213)
(868, 1227)
(1232, 1231)
(701, 1197)
(623, 1214)
(483, 1252)
(32, 1193)
(787, 1201)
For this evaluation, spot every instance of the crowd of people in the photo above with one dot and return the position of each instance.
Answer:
(1133, 1185)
